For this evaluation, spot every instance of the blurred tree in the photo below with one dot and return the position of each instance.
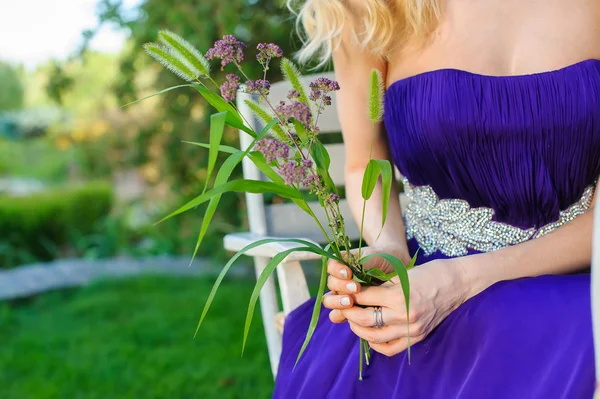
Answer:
(11, 88)
(182, 114)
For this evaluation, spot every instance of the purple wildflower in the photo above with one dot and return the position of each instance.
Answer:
(309, 182)
(319, 90)
(297, 110)
(272, 149)
(229, 87)
(333, 198)
(293, 173)
(268, 51)
(260, 86)
(293, 94)
(324, 84)
(307, 163)
(229, 49)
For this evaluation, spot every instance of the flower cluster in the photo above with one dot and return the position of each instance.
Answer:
(297, 110)
(259, 86)
(295, 172)
(229, 49)
(272, 149)
(268, 51)
(293, 94)
(229, 87)
(319, 90)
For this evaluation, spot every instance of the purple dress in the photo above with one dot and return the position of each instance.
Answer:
(526, 147)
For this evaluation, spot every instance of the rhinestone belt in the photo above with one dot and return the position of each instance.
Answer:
(452, 227)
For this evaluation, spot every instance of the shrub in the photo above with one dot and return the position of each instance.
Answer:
(39, 226)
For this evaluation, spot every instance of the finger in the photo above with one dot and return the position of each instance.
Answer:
(396, 346)
(385, 334)
(365, 317)
(342, 286)
(338, 270)
(377, 296)
(376, 335)
(337, 317)
(333, 301)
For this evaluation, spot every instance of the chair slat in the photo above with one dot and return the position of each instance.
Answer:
(287, 220)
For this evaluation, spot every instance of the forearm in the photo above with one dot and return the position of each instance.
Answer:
(393, 233)
(566, 250)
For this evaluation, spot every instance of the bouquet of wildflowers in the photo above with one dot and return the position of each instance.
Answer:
(288, 152)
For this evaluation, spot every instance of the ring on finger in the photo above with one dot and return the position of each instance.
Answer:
(378, 317)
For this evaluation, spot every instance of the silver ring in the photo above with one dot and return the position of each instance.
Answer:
(378, 317)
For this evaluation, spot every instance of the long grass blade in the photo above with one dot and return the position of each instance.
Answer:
(222, 176)
(233, 118)
(156, 94)
(228, 265)
(262, 279)
(217, 128)
(316, 310)
(222, 148)
(239, 186)
(385, 169)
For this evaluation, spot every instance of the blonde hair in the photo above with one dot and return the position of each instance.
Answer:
(383, 24)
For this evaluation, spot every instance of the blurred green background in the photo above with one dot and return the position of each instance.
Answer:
(83, 178)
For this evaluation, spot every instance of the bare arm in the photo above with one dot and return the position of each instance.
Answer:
(353, 66)
(568, 249)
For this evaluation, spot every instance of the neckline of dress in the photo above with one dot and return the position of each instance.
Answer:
(480, 75)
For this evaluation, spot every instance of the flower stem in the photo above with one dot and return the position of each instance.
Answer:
(362, 220)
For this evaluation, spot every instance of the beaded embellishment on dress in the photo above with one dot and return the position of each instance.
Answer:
(452, 227)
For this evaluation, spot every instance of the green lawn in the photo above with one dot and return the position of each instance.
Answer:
(132, 339)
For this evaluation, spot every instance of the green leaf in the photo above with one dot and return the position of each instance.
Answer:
(233, 118)
(291, 73)
(240, 186)
(172, 61)
(262, 279)
(217, 127)
(385, 168)
(222, 176)
(266, 118)
(222, 148)
(401, 270)
(186, 50)
(301, 131)
(228, 265)
(370, 179)
(156, 94)
(380, 274)
(322, 160)
(413, 260)
(316, 309)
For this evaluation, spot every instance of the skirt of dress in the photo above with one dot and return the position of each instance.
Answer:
(528, 338)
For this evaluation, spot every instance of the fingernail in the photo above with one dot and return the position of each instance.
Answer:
(344, 273)
(345, 301)
(351, 287)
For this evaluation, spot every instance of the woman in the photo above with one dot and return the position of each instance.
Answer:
(492, 114)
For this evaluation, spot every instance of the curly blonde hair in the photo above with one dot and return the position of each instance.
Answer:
(383, 26)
